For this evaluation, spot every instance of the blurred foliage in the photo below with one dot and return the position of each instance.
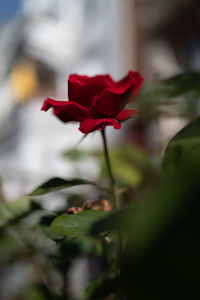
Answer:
(168, 92)
(13, 211)
(101, 288)
(132, 166)
(164, 244)
(186, 143)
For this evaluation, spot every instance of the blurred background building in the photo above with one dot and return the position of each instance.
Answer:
(42, 42)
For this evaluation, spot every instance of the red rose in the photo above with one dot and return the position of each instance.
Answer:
(97, 101)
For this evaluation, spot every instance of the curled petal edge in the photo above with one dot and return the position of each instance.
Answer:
(66, 110)
(48, 103)
(126, 113)
(90, 125)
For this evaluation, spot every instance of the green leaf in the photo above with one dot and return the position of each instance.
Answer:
(101, 288)
(76, 225)
(127, 173)
(130, 165)
(75, 154)
(52, 235)
(162, 92)
(14, 210)
(82, 245)
(118, 220)
(182, 83)
(57, 183)
(184, 145)
(163, 240)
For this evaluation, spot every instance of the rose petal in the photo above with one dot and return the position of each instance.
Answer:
(48, 103)
(113, 99)
(90, 125)
(134, 80)
(135, 76)
(126, 113)
(83, 89)
(110, 102)
(66, 110)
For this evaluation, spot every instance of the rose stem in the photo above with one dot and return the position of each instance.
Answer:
(116, 203)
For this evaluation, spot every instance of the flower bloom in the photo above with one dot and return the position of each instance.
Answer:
(97, 101)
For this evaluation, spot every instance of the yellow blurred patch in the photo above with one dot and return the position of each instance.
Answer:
(23, 80)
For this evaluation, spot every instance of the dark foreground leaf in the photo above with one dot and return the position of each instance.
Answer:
(162, 254)
(184, 145)
(57, 183)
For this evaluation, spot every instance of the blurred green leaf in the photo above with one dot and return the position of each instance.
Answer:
(130, 154)
(35, 293)
(145, 222)
(53, 235)
(162, 206)
(185, 84)
(185, 144)
(12, 211)
(57, 183)
(45, 222)
(76, 225)
(75, 154)
(130, 165)
(127, 174)
(8, 248)
(182, 83)
(118, 220)
(82, 245)
(101, 288)
(163, 240)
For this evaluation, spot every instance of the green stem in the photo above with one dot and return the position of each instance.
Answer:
(116, 201)
(113, 186)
